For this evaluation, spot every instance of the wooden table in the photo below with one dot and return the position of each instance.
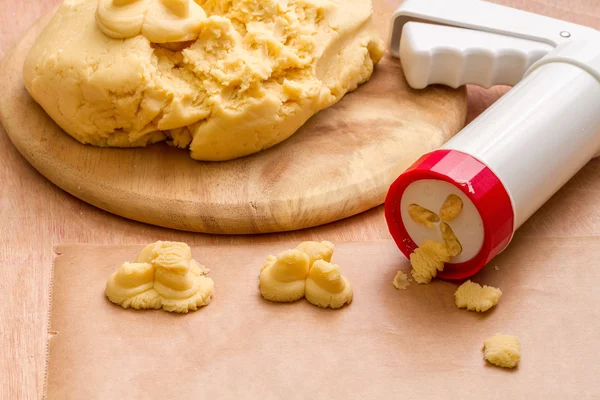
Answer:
(36, 215)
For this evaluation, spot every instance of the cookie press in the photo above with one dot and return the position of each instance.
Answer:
(510, 160)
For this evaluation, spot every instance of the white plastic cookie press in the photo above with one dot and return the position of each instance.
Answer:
(511, 159)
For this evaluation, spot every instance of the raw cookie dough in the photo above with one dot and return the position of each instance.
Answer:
(317, 251)
(282, 278)
(502, 350)
(401, 280)
(452, 244)
(305, 271)
(326, 287)
(422, 215)
(473, 297)
(451, 208)
(222, 78)
(427, 260)
(163, 276)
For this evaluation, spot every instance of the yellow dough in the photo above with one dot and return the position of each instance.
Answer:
(222, 78)
(282, 278)
(317, 251)
(427, 260)
(401, 280)
(163, 276)
(305, 271)
(422, 215)
(451, 208)
(473, 297)
(502, 350)
(452, 243)
(326, 287)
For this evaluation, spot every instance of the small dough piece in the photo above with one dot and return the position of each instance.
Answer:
(422, 215)
(170, 255)
(183, 292)
(473, 297)
(502, 350)
(451, 208)
(427, 260)
(132, 286)
(326, 287)
(173, 21)
(282, 278)
(121, 19)
(164, 276)
(317, 251)
(452, 244)
(401, 280)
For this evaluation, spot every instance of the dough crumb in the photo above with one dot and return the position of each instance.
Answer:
(502, 350)
(282, 278)
(427, 260)
(473, 297)
(401, 280)
(326, 287)
(163, 276)
(497, 268)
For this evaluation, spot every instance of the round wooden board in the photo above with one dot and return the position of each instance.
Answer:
(340, 163)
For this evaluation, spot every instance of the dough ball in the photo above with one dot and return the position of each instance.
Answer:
(223, 78)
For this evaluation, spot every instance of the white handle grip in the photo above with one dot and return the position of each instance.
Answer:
(487, 17)
(438, 54)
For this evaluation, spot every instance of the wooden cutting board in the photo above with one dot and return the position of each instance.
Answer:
(340, 163)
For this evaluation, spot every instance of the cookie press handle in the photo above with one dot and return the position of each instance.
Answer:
(511, 159)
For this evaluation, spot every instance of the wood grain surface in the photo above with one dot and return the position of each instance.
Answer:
(340, 163)
(36, 215)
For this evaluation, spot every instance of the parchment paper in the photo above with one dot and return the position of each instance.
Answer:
(388, 343)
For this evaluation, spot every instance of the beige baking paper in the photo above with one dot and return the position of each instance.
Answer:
(388, 344)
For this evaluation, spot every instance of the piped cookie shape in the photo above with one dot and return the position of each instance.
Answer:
(306, 271)
(160, 21)
(163, 276)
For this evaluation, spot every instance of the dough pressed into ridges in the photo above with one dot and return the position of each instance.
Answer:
(502, 350)
(236, 81)
(163, 276)
(474, 297)
(427, 260)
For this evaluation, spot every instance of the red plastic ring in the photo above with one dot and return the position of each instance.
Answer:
(479, 184)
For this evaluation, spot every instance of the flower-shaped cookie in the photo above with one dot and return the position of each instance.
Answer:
(163, 276)
(305, 271)
(450, 209)
(160, 21)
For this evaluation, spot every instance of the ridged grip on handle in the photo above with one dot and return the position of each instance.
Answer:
(438, 54)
